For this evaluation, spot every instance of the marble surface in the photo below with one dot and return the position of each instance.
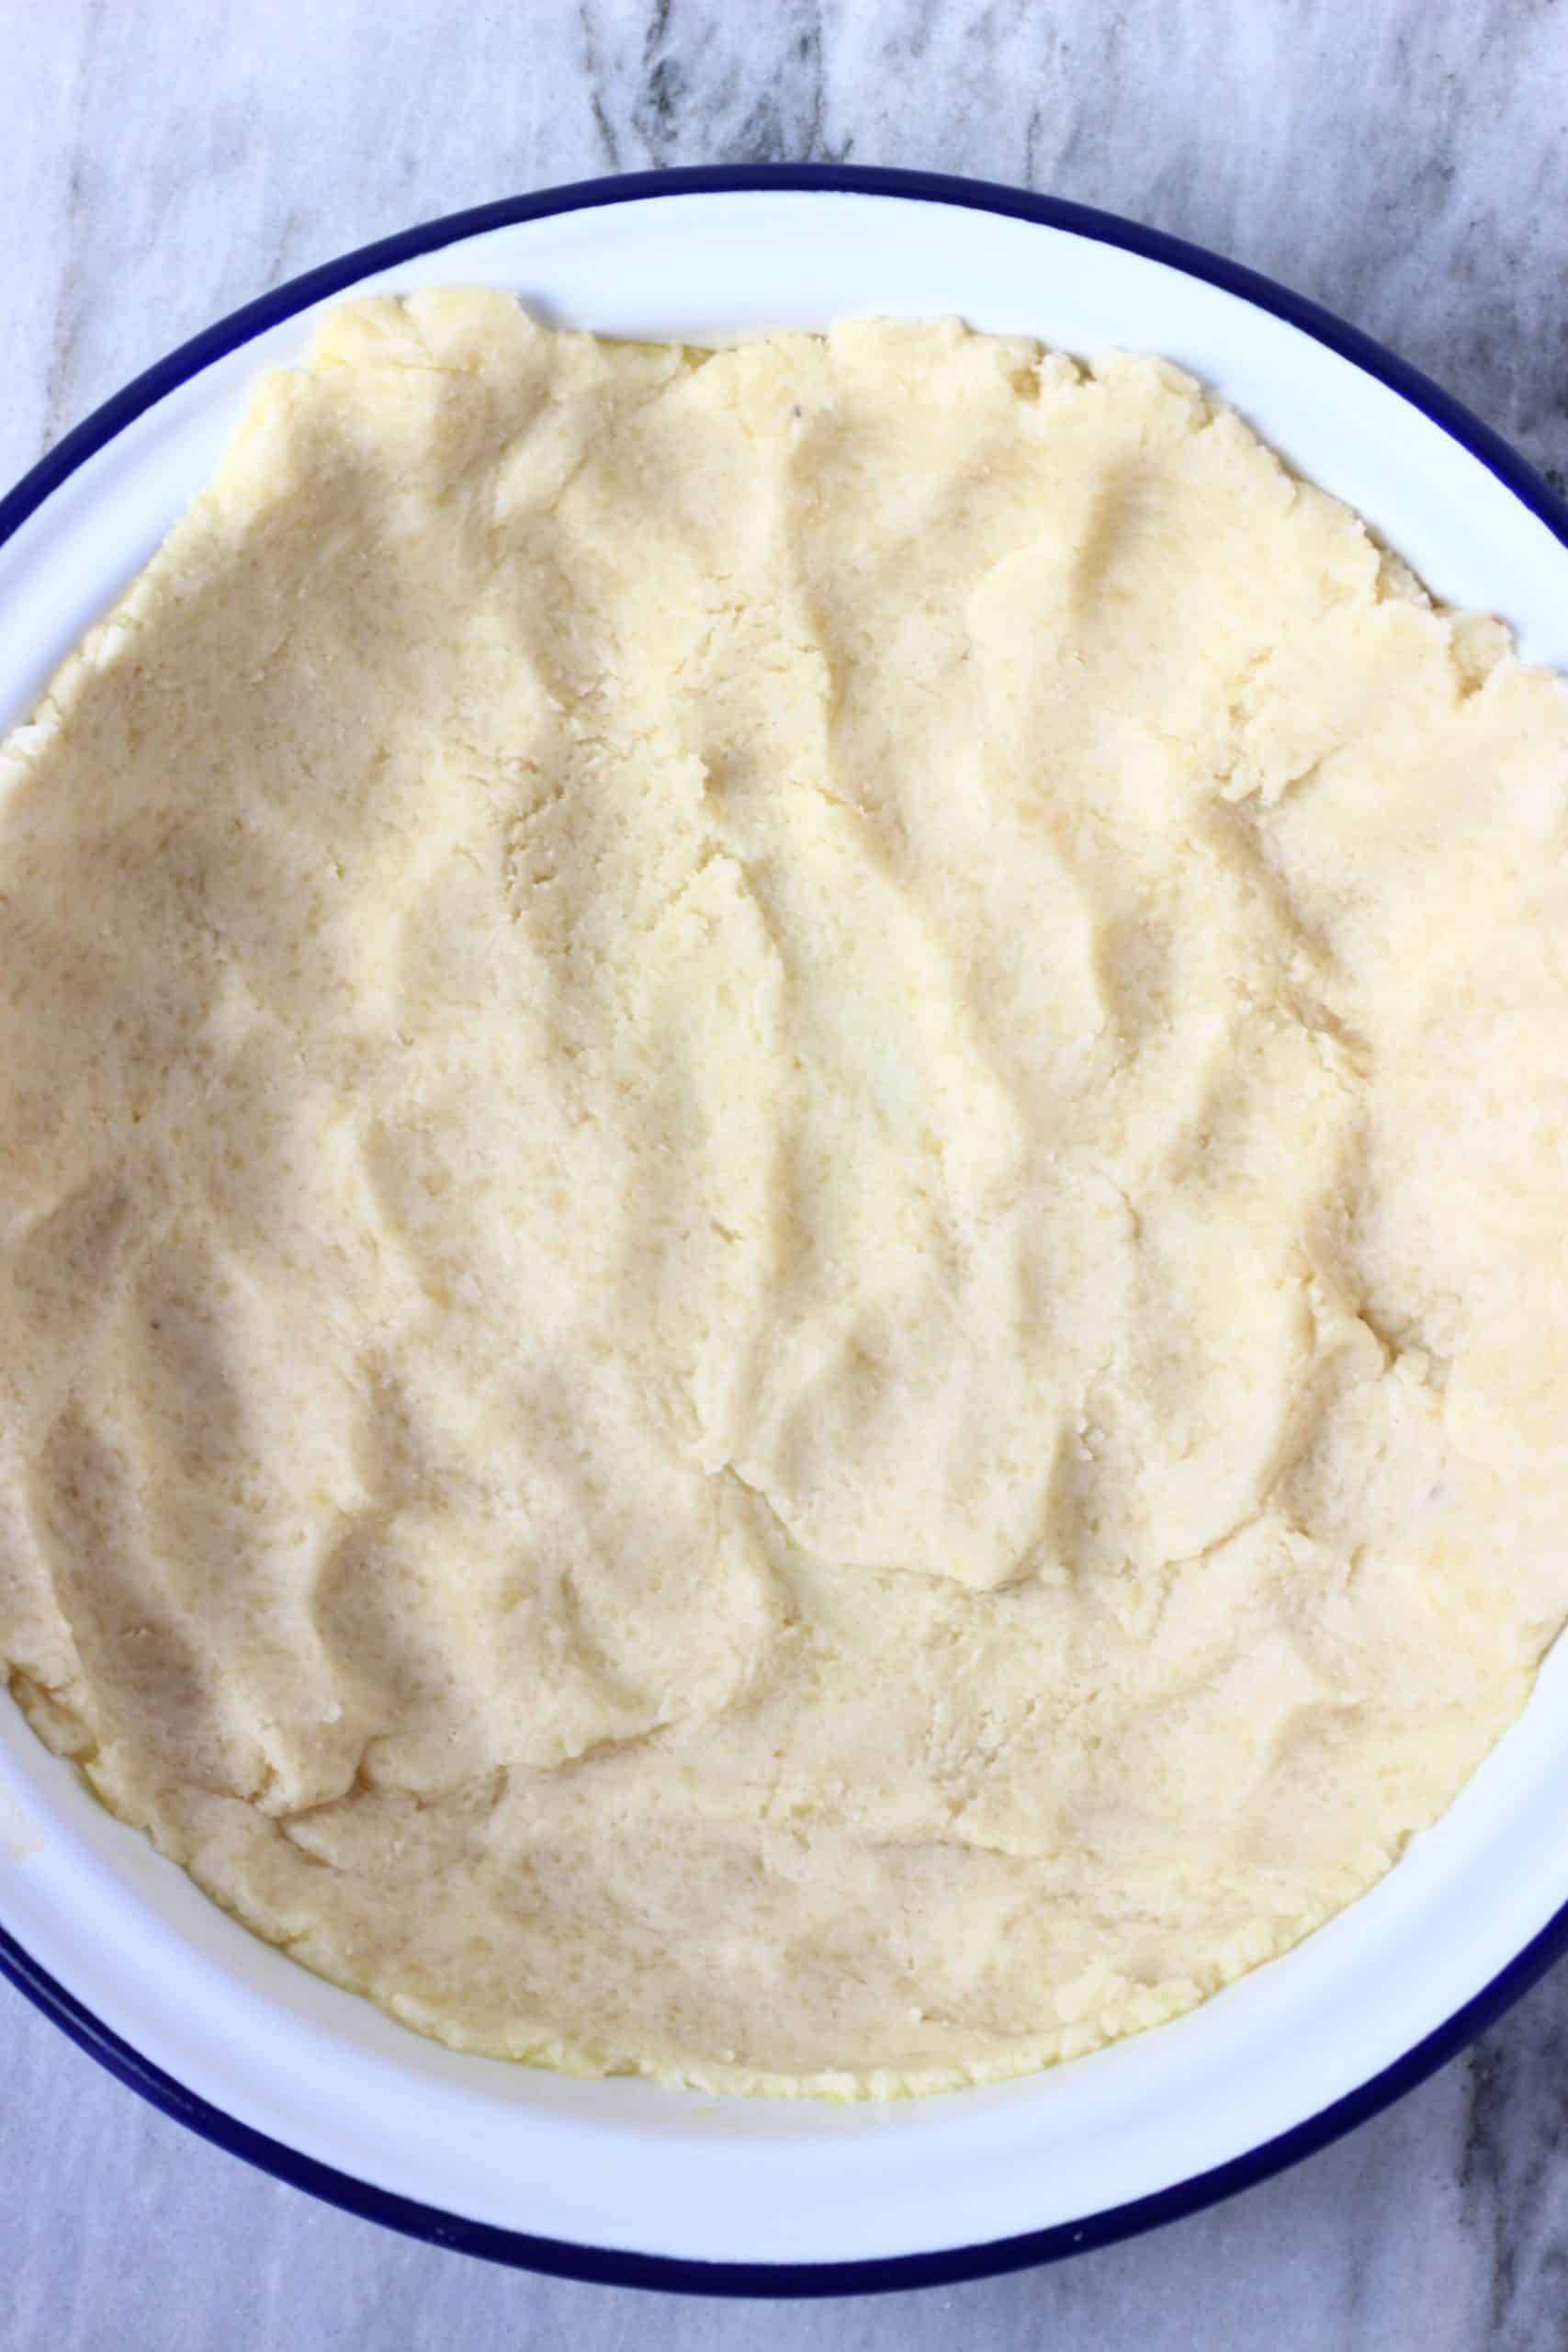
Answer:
(1406, 162)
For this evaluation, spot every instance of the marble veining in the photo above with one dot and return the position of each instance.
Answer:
(1405, 162)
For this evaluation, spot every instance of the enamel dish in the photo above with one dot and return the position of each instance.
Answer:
(624, 2181)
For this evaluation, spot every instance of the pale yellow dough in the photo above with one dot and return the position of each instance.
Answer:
(782, 1142)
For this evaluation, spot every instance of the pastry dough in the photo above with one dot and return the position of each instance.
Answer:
(781, 1163)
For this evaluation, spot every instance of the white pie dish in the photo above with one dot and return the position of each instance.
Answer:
(624, 2180)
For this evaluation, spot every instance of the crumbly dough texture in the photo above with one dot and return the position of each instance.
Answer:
(782, 1153)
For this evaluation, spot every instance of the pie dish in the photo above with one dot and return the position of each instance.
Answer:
(623, 2180)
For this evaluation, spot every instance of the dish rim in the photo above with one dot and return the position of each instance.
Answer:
(609, 2267)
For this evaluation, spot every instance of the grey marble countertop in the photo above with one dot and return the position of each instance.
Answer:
(1404, 161)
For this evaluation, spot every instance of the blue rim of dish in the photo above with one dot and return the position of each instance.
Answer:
(606, 2266)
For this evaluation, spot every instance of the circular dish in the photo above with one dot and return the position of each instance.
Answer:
(622, 2181)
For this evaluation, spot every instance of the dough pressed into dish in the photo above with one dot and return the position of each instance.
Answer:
(782, 1163)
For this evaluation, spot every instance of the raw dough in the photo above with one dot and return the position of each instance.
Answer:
(782, 1169)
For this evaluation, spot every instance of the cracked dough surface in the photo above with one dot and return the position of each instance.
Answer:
(781, 1151)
